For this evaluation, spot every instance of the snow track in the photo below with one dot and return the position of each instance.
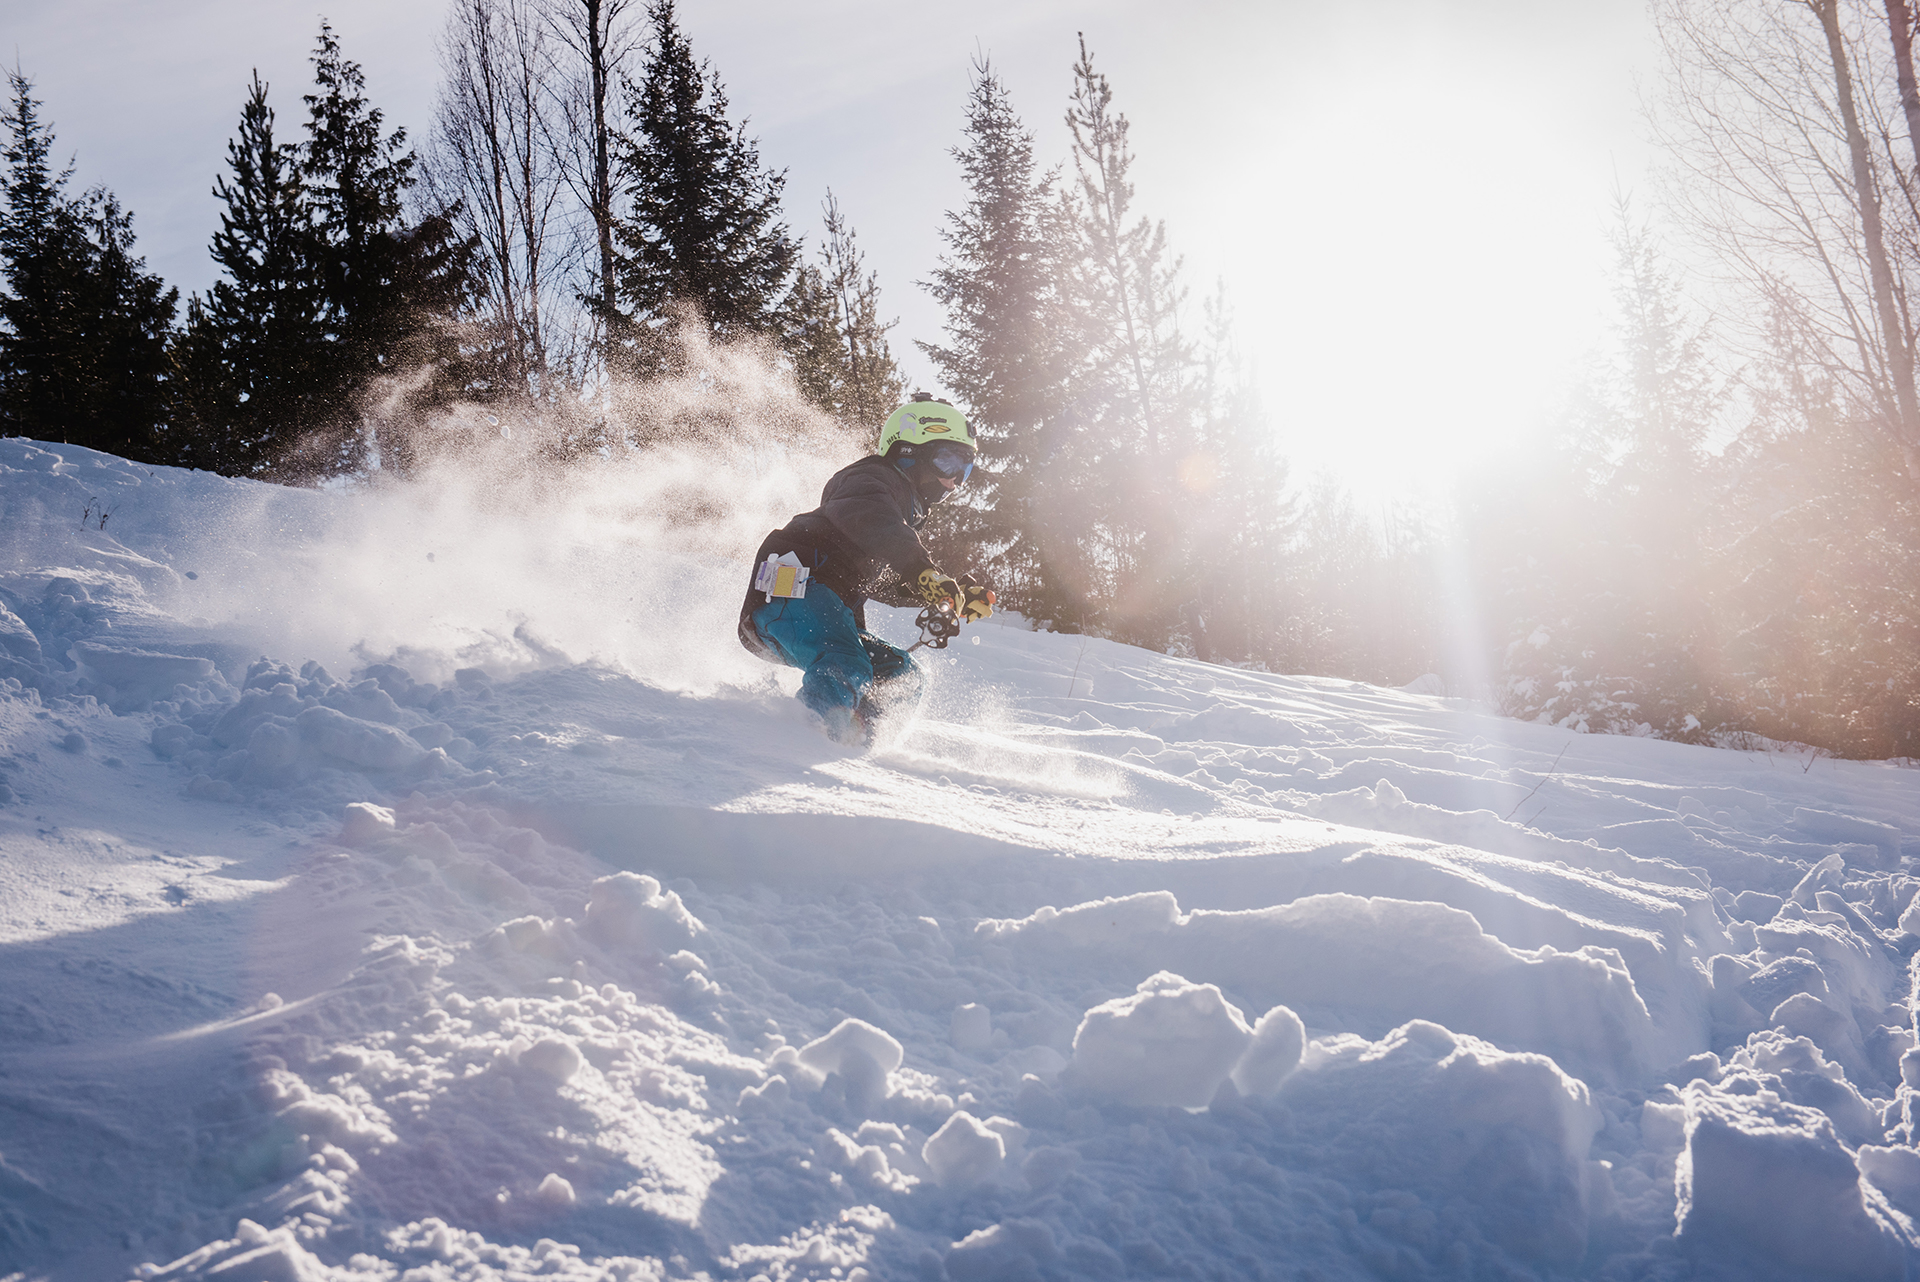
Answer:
(554, 940)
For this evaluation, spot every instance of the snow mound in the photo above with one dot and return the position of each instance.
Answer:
(1393, 959)
(1170, 1043)
(963, 1152)
(1767, 1181)
(1508, 1134)
(1278, 1040)
(630, 910)
(431, 857)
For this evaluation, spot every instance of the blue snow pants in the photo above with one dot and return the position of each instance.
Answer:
(852, 676)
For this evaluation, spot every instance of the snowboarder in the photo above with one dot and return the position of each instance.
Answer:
(807, 603)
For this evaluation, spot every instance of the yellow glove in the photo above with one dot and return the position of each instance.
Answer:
(977, 601)
(939, 590)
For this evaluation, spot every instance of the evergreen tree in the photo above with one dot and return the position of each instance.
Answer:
(131, 323)
(812, 339)
(1816, 595)
(356, 181)
(1142, 373)
(1239, 521)
(1660, 491)
(1362, 591)
(203, 405)
(389, 290)
(1007, 358)
(83, 344)
(703, 237)
(1605, 625)
(254, 358)
(836, 339)
(44, 246)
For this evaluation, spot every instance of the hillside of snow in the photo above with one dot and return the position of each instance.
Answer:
(420, 882)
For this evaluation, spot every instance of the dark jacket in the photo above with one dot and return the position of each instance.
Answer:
(861, 542)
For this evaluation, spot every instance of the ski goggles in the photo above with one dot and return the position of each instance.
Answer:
(951, 459)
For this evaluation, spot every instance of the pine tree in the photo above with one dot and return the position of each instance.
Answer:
(836, 339)
(812, 338)
(1660, 489)
(1814, 591)
(1007, 359)
(254, 359)
(1143, 371)
(203, 405)
(703, 237)
(132, 315)
(387, 287)
(1605, 624)
(43, 244)
(1239, 521)
(83, 346)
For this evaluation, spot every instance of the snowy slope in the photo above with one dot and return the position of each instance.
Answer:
(422, 883)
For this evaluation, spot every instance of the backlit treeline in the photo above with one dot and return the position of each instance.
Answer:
(583, 206)
(580, 200)
(1135, 488)
(1714, 544)
(1724, 543)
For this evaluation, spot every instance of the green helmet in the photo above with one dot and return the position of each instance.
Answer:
(922, 420)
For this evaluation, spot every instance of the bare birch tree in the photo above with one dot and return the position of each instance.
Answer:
(1781, 116)
(494, 155)
(601, 38)
(1900, 30)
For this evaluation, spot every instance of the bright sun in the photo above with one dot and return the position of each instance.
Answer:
(1417, 255)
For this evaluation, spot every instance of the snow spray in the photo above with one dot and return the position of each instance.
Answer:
(498, 552)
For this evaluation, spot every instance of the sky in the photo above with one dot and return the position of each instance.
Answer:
(1406, 201)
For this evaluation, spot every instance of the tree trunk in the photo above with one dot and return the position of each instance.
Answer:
(599, 22)
(1900, 27)
(1899, 356)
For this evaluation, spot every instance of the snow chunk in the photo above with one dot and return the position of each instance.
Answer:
(1506, 1133)
(1172, 1043)
(1796, 1069)
(254, 1252)
(554, 1191)
(365, 702)
(18, 640)
(551, 1058)
(629, 910)
(324, 1116)
(362, 821)
(358, 743)
(850, 1048)
(1805, 1015)
(1766, 1179)
(138, 677)
(1014, 1248)
(868, 1163)
(971, 1028)
(963, 1152)
(1278, 1039)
